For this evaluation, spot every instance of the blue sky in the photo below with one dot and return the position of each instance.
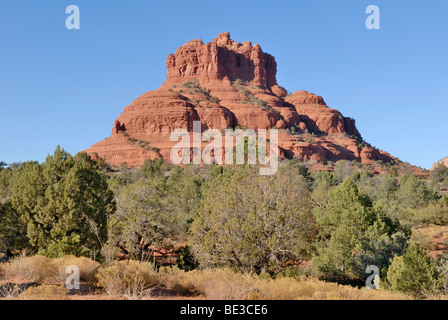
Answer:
(66, 87)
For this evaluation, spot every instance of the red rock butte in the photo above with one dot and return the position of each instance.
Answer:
(227, 84)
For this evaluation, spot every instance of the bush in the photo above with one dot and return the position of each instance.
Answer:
(46, 292)
(225, 284)
(186, 260)
(219, 284)
(144, 218)
(412, 273)
(87, 268)
(313, 289)
(439, 173)
(215, 100)
(434, 213)
(174, 279)
(354, 235)
(10, 291)
(192, 83)
(33, 269)
(254, 223)
(441, 264)
(130, 279)
(64, 204)
(310, 140)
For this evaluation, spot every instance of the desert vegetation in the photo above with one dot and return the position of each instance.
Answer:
(221, 232)
(249, 98)
(142, 280)
(193, 87)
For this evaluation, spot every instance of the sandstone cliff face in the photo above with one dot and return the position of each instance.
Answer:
(222, 58)
(318, 117)
(225, 84)
(443, 161)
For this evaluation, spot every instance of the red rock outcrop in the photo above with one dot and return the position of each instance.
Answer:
(318, 117)
(443, 161)
(222, 58)
(225, 84)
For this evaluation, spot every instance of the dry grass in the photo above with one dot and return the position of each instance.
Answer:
(34, 269)
(2, 270)
(10, 291)
(38, 269)
(87, 268)
(223, 284)
(129, 279)
(137, 280)
(313, 289)
(431, 237)
(431, 232)
(46, 292)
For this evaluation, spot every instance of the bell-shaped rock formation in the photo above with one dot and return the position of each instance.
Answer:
(227, 84)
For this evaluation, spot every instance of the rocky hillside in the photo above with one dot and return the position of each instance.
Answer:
(227, 84)
(443, 161)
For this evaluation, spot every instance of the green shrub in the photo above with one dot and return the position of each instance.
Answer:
(186, 260)
(354, 234)
(215, 100)
(254, 224)
(192, 83)
(413, 273)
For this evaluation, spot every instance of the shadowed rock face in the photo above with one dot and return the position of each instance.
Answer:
(225, 84)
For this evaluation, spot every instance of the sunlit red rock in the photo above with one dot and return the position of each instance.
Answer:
(227, 84)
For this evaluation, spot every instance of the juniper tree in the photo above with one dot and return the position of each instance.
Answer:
(65, 203)
(144, 220)
(413, 272)
(254, 223)
(12, 229)
(354, 235)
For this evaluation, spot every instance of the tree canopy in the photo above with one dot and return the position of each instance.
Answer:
(254, 223)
